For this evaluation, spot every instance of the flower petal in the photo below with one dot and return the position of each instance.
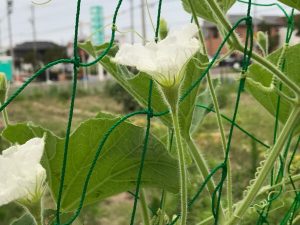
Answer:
(163, 60)
(20, 170)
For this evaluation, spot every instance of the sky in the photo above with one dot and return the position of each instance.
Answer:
(55, 20)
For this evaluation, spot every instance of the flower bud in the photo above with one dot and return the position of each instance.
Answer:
(3, 87)
(262, 42)
(163, 29)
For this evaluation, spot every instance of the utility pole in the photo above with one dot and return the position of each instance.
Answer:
(11, 48)
(132, 20)
(0, 35)
(255, 16)
(32, 21)
(143, 13)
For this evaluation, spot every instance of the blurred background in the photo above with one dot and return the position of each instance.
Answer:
(32, 35)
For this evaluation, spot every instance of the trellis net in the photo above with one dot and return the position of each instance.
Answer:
(265, 207)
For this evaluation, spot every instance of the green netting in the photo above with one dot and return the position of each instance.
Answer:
(148, 112)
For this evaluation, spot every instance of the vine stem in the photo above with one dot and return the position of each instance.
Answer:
(218, 114)
(162, 208)
(239, 47)
(182, 166)
(203, 169)
(35, 211)
(252, 193)
(274, 70)
(263, 190)
(5, 117)
(144, 208)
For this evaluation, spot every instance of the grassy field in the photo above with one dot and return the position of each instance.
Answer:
(49, 108)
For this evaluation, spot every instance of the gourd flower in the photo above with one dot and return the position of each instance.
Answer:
(164, 60)
(22, 176)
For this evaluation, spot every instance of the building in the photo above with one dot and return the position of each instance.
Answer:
(270, 24)
(30, 56)
(40, 52)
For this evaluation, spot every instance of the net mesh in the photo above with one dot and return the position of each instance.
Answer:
(276, 175)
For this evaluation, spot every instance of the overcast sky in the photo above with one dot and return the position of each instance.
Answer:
(55, 20)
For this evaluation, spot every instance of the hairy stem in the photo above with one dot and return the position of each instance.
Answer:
(263, 190)
(5, 117)
(36, 212)
(218, 114)
(144, 208)
(277, 72)
(182, 166)
(203, 169)
(254, 190)
(223, 21)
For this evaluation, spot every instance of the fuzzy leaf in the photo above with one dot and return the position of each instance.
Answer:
(204, 11)
(116, 168)
(262, 77)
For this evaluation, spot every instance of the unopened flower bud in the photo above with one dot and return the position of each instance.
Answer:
(3, 87)
(163, 29)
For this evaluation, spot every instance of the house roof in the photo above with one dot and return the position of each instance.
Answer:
(40, 45)
(259, 20)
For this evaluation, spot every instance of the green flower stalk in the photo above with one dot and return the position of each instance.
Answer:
(164, 62)
(171, 95)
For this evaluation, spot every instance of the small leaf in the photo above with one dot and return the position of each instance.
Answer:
(292, 3)
(204, 11)
(116, 168)
(262, 77)
(26, 219)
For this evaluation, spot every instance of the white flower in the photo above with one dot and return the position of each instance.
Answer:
(21, 174)
(164, 60)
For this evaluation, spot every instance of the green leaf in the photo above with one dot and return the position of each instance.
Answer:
(204, 11)
(117, 167)
(292, 3)
(187, 106)
(26, 219)
(199, 114)
(262, 77)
